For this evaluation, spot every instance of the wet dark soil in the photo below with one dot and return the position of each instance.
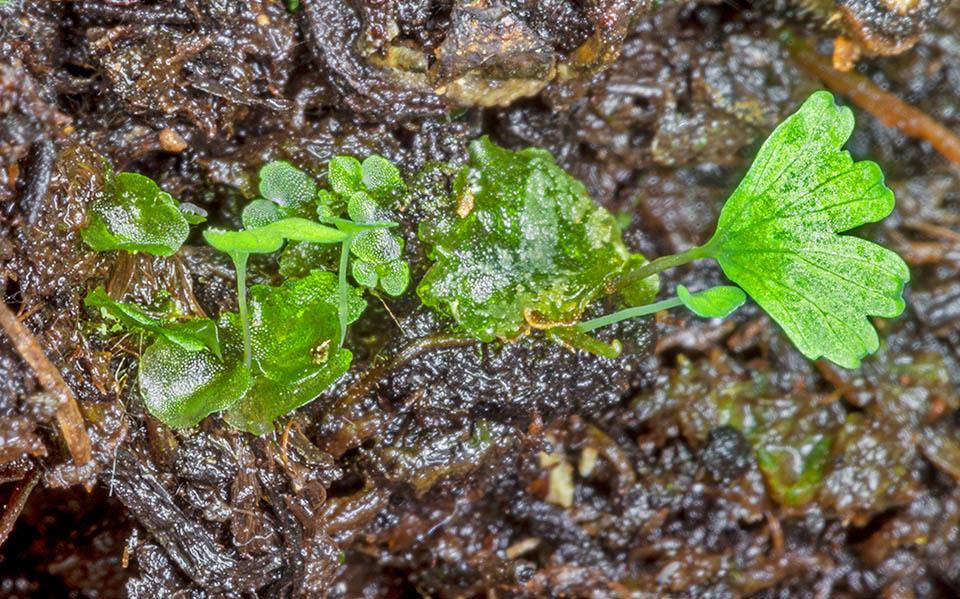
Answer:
(440, 467)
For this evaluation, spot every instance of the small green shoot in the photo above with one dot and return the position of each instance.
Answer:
(270, 222)
(264, 240)
(285, 344)
(777, 237)
(377, 251)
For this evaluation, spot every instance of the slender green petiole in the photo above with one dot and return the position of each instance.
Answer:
(240, 263)
(342, 284)
(603, 321)
(352, 229)
(660, 264)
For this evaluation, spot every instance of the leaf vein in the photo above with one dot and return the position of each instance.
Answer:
(851, 257)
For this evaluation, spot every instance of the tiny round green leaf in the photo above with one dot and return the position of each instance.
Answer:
(286, 185)
(377, 246)
(365, 273)
(715, 302)
(394, 276)
(380, 175)
(345, 174)
(260, 213)
(361, 208)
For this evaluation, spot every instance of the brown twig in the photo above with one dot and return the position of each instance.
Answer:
(884, 106)
(68, 414)
(18, 499)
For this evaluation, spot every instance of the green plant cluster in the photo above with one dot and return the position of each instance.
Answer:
(518, 246)
(284, 346)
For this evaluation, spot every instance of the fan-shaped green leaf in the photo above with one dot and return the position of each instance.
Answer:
(776, 236)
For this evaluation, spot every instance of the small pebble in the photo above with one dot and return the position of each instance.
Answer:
(172, 141)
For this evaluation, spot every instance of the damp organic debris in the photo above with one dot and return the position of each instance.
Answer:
(480, 299)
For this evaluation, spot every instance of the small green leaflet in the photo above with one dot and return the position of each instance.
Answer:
(777, 236)
(344, 174)
(270, 237)
(377, 252)
(191, 335)
(376, 175)
(715, 302)
(260, 213)
(380, 175)
(286, 185)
